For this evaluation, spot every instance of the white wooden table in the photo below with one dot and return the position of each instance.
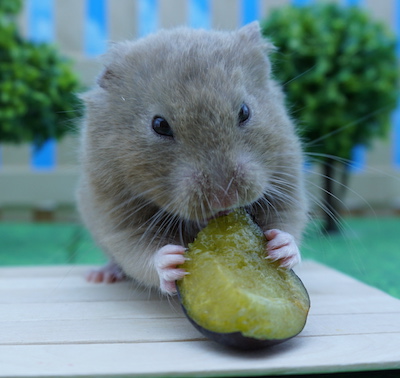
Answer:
(53, 323)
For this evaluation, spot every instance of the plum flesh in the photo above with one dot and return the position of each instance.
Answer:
(233, 295)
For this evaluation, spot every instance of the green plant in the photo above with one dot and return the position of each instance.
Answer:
(340, 73)
(37, 85)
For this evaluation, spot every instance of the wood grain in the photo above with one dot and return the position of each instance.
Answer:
(54, 323)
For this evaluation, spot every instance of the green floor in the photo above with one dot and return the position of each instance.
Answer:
(366, 248)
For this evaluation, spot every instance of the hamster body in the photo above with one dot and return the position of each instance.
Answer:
(182, 126)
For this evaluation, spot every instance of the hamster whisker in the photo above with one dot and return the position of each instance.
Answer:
(348, 163)
(180, 230)
(335, 181)
(131, 199)
(339, 184)
(217, 201)
(124, 204)
(153, 229)
(331, 194)
(173, 223)
(283, 192)
(167, 229)
(282, 186)
(148, 224)
(203, 210)
(324, 208)
(299, 75)
(281, 197)
(130, 212)
(283, 177)
(278, 200)
(238, 196)
(350, 124)
(272, 210)
(323, 155)
(226, 191)
(203, 215)
(263, 205)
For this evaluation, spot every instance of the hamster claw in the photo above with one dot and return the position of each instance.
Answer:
(283, 248)
(166, 261)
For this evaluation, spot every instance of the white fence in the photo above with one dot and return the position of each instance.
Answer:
(81, 29)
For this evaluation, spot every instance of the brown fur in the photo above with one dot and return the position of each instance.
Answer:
(140, 191)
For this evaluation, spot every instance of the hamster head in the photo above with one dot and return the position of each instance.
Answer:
(190, 121)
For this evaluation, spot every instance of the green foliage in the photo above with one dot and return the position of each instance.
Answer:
(10, 6)
(37, 85)
(340, 73)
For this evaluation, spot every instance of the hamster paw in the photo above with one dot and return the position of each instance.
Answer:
(109, 273)
(166, 260)
(282, 246)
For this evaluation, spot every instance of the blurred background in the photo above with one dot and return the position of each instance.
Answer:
(50, 49)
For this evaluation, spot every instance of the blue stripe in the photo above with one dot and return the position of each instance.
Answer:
(358, 158)
(359, 152)
(354, 3)
(396, 113)
(147, 16)
(250, 11)
(96, 31)
(40, 20)
(40, 15)
(44, 158)
(395, 137)
(301, 3)
(200, 14)
(396, 15)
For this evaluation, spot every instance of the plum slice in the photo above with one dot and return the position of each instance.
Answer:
(234, 295)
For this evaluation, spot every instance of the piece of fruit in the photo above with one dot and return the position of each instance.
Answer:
(235, 296)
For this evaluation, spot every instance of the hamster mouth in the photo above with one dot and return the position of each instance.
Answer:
(219, 214)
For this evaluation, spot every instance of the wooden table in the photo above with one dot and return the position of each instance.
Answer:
(53, 323)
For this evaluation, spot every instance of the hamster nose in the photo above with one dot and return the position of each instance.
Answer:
(223, 200)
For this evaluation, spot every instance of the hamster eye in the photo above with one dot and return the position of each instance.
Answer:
(161, 126)
(244, 114)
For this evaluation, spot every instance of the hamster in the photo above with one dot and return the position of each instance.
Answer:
(185, 125)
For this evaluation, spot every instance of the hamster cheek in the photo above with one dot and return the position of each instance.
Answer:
(166, 261)
(282, 246)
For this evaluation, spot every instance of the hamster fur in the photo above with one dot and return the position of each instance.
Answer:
(184, 125)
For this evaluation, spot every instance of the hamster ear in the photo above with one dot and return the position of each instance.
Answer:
(111, 76)
(252, 33)
(108, 78)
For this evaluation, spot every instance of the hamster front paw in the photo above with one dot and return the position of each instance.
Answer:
(166, 260)
(109, 273)
(282, 246)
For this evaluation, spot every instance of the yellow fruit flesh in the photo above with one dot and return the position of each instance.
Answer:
(233, 288)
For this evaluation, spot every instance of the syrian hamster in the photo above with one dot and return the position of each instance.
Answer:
(182, 126)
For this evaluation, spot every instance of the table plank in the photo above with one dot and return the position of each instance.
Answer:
(153, 329)
(54, 323)
(201, 358)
